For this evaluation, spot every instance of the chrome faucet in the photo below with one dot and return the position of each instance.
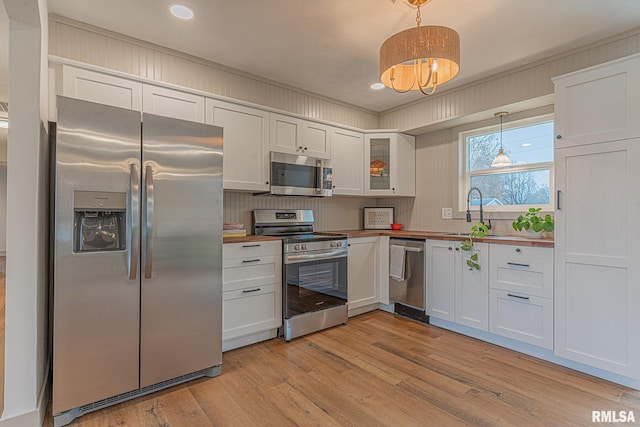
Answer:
(481, 210)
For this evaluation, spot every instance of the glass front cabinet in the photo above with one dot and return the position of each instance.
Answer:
(390, 168)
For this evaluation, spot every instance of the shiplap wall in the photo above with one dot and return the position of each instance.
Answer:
(331, 213)
(512, 87)
(80, 42)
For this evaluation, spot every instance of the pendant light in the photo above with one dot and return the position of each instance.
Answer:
(420, 58)
(501, 159)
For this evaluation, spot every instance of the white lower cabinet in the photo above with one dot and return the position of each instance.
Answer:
(363, 274)
(441, 278)
(521, 294)
(472, 289)
(252, 293)
(521, 317)
(455, 293)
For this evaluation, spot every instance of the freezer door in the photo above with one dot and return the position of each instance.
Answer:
(96, 286)
(181, 306)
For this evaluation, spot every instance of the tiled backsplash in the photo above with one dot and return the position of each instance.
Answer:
(330, 213)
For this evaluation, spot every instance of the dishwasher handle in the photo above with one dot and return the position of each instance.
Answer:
(412, 249)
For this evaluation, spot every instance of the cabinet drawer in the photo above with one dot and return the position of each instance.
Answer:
(251, 249)
(521, 317)
(522, 269)
(251, 310)
(241, 273)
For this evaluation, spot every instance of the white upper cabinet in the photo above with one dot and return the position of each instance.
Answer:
(316, 139)
(172, 103)
(347, 158)
(300, 137)
(101, 88)
(246, 144)
(390, 165)
(598, 104)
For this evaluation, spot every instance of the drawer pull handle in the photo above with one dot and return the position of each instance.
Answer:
(517, 296)
(248, 291)
(516, 264)
(251, 246)
(250, 260)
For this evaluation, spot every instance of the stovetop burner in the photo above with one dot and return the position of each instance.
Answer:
(295, 227)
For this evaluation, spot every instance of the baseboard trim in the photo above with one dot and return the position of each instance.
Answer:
(36, 417)
(535, 351)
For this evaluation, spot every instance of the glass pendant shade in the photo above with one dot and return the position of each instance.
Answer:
(501, 160)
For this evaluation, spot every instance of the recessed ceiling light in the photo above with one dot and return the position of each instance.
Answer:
(377, 86)
(180, 11)
(526, 144)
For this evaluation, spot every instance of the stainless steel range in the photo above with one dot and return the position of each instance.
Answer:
(314, 271)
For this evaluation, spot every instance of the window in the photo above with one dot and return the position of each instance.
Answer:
(527, 182)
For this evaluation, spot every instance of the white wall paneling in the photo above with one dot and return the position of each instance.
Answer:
(331, 213)
(80, 42)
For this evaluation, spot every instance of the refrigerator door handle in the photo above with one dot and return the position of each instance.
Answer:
(134, 191)
(148, 223)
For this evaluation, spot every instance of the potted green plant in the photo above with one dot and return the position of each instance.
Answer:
(533, 223)
(478, 231)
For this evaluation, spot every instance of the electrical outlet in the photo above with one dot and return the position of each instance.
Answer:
(447, 213)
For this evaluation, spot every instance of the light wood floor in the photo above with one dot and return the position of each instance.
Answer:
(379, 370)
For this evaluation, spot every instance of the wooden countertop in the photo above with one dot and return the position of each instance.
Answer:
(438, 235)
(250, 238)
(411, 234)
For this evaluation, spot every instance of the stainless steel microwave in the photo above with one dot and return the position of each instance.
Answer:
(293, 175)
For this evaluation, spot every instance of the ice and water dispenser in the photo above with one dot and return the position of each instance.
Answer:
(99, 222)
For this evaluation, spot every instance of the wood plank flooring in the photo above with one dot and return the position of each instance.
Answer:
(378, 370)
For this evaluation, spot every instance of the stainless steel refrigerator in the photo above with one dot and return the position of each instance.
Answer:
(137, 263)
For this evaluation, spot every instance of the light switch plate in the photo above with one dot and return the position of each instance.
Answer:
(447, 213)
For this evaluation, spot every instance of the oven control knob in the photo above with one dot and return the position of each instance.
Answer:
(304, 247)
(296, 247)
(333, 244)
(338, 244)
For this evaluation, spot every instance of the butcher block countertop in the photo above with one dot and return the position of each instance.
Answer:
(250, 239)
(409, 234)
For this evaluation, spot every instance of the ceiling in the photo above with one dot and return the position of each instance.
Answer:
(331, 47)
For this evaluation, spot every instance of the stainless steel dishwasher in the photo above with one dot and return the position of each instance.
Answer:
(407, 272)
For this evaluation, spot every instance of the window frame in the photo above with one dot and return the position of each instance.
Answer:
(464, 176)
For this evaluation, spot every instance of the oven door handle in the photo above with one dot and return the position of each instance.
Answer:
(296, 258)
